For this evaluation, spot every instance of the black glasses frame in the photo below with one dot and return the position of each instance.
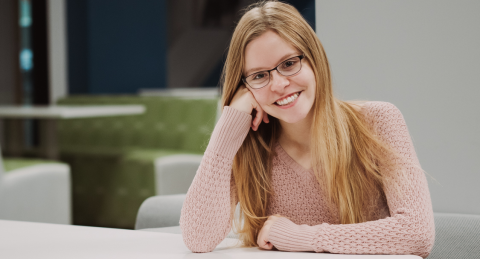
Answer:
(244, 79)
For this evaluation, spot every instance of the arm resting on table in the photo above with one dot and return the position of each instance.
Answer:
(409, 229)
(206, 214)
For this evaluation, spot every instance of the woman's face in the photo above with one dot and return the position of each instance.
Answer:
(287, 98)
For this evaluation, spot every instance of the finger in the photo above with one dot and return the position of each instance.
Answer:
(259, 241)
(265, 117)
(269, 246)
(258, 117)
(262, 239)
(266, 245)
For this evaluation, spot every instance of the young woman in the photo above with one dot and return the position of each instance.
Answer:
(310, 172)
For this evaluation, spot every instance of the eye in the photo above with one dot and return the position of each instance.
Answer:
(289, 63)
(258, 76)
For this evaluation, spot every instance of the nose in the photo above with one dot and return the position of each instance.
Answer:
(278, 82)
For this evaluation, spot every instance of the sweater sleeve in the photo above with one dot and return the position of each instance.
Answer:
(206, 213)
(409, 229)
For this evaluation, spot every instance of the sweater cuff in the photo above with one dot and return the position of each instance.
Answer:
(288, 236)
(230, 132)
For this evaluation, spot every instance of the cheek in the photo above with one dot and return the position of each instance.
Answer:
(309, 82)
(261, 98)
(309, 78)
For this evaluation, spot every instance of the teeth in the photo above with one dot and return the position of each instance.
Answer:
(288, 100)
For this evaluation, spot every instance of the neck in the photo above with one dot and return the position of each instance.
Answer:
(297, 135)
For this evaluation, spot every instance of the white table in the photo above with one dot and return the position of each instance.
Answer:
(39, 240)
(48, 123)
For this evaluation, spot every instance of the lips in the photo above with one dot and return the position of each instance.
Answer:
(287, 99)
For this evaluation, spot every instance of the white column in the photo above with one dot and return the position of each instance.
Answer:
(57, 49)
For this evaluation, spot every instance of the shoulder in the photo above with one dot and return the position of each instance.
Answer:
(384, 117)
(373, 106)
(389, 125)
(378, 112)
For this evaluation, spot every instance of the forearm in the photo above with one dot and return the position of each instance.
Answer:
(405, 233)
(205, 218)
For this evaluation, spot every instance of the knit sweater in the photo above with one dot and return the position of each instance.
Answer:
(397, 224)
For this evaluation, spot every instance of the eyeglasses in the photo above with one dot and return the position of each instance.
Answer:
(288, 67)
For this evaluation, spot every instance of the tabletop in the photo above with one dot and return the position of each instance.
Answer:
(41, 240)
(68, 112)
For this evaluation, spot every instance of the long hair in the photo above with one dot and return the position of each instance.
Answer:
(345, 150)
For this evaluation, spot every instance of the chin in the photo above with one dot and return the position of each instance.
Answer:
(291, 115)
(294, 118)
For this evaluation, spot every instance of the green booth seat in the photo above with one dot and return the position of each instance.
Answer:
(112, 158)
(11, 164)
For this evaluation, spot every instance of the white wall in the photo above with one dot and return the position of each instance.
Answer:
(424, 57)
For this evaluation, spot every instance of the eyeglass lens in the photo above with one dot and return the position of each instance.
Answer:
(287, 68)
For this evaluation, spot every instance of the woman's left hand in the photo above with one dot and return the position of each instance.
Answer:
(262, 239)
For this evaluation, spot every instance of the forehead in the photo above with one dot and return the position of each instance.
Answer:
(266, 52)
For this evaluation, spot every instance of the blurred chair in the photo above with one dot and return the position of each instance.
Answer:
(456, 235)
(37, 191)
(162, 214)
(175, 173)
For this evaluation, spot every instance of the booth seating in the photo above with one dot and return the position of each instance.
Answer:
(113, 158)
(35, 190)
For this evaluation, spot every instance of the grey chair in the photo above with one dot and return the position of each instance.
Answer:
(160, 212)
(456, 235)
(38, 193)
(174, 174)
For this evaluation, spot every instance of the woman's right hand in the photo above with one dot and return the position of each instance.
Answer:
(245, 101)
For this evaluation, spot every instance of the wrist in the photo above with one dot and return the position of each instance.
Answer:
(230, 132)
(288, 236)
(242, 108)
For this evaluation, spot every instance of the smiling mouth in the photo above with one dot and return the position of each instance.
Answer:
(288, 100)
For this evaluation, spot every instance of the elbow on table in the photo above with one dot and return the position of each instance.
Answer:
(198, 247)
(203, 234)
(197, 242)
(423, 244)
(428, 246)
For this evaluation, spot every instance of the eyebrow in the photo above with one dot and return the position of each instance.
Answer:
(249, 72)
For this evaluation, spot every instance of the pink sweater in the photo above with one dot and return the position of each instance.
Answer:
(397, 225)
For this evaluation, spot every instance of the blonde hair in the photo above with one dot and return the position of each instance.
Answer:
(345, 150)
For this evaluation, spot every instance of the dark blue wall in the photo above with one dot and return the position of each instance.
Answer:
(116, 46)
(120, 46)
(77, 37)
(305, 7)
